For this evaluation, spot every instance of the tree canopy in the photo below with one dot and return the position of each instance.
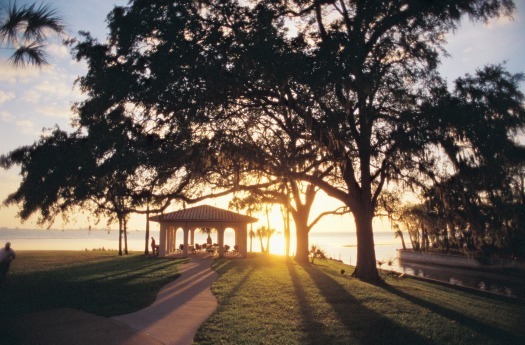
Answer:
(354, 84)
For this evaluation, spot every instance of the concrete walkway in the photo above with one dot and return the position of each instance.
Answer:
(180, 308)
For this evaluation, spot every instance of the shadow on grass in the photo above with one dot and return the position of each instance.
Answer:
(365, 326)
(315, 332)
(489, 331)
(223, 266)
(121, 271)
(94, 286)
(225, 293)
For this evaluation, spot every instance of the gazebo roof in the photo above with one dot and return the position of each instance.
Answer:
(204, 213)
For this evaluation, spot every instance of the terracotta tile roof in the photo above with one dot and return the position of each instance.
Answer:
(203, 213)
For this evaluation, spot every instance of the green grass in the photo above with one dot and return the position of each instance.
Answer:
(267, 301)
(98, 282)
(271, 301)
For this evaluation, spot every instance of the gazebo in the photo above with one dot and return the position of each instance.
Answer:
(205, 216)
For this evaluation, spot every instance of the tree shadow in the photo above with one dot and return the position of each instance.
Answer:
(313, 328)
(489, 331)
(366, 326)
(75, 286)
(222, 267)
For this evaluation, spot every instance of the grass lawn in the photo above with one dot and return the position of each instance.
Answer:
(267, 300)
(98, 282)
(271, 301)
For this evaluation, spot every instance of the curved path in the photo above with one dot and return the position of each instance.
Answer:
(181, 306)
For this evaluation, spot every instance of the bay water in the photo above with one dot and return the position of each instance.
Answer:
(337, 245)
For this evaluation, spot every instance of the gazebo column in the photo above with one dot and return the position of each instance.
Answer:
(174, 239)
(220, 235)
(242, 235)
(192, 242)
(168, 240)
(173, 242)
(162, 239)
(185, 247)
(174, 245)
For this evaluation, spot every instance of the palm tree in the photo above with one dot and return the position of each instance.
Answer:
(252, 235)
(24, 30)
(261, 233)
(399, 233)
(269, 233)
(251, 203)
(207, 231)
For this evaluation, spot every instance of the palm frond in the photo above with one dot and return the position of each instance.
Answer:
(32, 54)
(10, 29)
(25, 28)
(42, 18)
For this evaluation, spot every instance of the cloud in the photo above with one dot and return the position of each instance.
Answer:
(28, 127)
(55, 111)
(23, 126)
(6, 96)
(58, 51)
(13, 75)
(31, 96)
(51, 97)
(56, 88)
(476, 44)
(6, 117)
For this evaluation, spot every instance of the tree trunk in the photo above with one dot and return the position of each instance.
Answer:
(262, 244)
(125, 235)
(301, 230)
(287, 233)
(146, 249)
(365, 268)
(400, 234)
(267, 216)
(119, 235)
(251, 240)
(422, 240)
(413, 241)
(446, 241)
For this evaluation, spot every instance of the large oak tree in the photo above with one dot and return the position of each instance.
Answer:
(350, 75)
(354, 79)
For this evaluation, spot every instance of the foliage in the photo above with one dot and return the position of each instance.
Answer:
(208, 232)
(276, 301)
(316, 252)
(262, 233)
(488, 225)
(472, 197)
(110, 167)
(25, 29)
(348, 83)
(346, 92)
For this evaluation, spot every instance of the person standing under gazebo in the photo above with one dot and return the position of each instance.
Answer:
(154, 247)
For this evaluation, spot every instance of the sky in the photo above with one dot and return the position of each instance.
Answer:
(32, 100)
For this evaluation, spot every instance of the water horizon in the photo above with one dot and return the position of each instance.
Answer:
(336, 245)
